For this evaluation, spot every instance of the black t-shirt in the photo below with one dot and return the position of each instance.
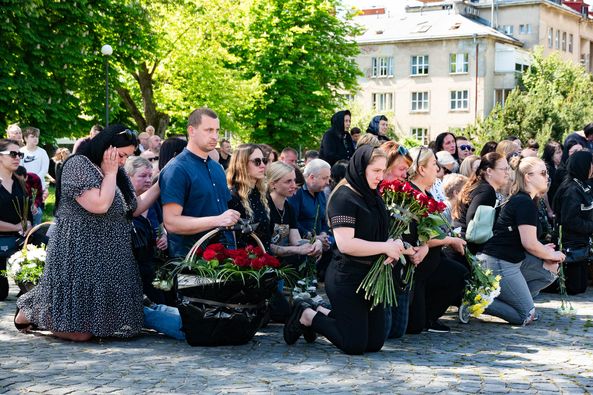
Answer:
(12, 203)
(224, 162)
(281, 222)
(506, 242)
(260, 216)
(348, 209)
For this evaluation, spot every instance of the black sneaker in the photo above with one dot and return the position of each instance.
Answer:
(293, 329)
(437, 327)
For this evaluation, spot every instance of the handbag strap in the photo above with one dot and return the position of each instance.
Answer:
(214, 303)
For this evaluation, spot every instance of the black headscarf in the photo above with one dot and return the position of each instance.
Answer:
(578, 167)
(356, 177)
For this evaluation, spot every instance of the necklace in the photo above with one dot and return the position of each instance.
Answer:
(280, 212)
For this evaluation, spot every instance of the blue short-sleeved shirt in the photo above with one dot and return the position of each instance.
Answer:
(199, 186)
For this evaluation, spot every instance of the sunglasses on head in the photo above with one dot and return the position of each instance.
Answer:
(130, 134)
(402, 150)
(465, 147)
(13, 154)
(258, 161)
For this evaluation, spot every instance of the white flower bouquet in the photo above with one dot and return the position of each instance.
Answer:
(26, 265)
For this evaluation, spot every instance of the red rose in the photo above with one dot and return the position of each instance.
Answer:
(271, 260)
(258, 263)
(407, 188)
(241, 261)
(441, 206)
(432, 206)
(209, 255)
(239, 257)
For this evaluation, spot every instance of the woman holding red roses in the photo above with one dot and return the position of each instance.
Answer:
(359, 221)
(439, 282)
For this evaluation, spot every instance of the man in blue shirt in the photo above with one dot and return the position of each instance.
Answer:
(194, 193)
(309, 202)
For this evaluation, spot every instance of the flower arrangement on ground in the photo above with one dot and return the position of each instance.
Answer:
(480, 291)
(219, 264)
(566, 307)
(404, 204)
(26, 265)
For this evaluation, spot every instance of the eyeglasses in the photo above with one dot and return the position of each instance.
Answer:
(258, 161)
(543, 173)
(465, 147)
(505, 169)
(155, 159)
(130, 134)
(13, 154)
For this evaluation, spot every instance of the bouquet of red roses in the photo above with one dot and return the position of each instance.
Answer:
(220, 264)
(404, 204)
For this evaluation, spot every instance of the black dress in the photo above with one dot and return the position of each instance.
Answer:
(260, 216)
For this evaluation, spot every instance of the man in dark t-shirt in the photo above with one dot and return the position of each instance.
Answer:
(225, 153)
(193, 187)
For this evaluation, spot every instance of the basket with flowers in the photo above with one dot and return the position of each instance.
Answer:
(227, 301)
(480, 291)
(25, 266)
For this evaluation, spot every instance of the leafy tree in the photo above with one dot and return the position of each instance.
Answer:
(51, 68)
(553, 98)
(303, 54)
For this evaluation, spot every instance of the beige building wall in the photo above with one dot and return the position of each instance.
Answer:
(438, 83)
(541, 16)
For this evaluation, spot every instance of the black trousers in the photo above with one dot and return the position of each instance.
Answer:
(351, 326)
(576, 277)
(436, 288)
(3, 280)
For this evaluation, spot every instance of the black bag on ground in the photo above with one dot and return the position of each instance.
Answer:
(580, 254)
(227, 313)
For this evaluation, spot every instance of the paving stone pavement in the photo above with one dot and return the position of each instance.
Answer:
(555, 355)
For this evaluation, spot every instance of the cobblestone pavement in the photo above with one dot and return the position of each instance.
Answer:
(555, 355)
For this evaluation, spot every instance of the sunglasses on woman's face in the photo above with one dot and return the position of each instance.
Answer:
(465, 147)
(13, 154)
(258, 161)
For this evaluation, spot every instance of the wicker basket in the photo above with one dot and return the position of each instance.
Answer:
(223, 313)
(26, 287)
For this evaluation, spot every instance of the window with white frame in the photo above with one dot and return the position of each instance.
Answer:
(459, 100)
(383, 101)
(557, 41)
(525, 29)
(570, 41)
(550, 37)
(500, 95)
(420, 134)
(507, 29)
(419, 65)
(458, 63)
(382, 67)
(564, 41)
(420, 101)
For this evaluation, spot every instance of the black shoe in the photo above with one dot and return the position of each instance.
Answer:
(437, 327)
(309, 334)
(293, 329)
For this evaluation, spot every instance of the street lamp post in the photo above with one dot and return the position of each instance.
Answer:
(106, 50)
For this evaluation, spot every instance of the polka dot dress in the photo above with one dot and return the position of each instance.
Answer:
(91, 282)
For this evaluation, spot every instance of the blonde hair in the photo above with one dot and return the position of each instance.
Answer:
(61, 154)
(238, 177)
(452, 185)
(524, 167)
(507, 147)
(391, 148)
(420, 157)
(466, 167)
(368, 139)
(276, 171)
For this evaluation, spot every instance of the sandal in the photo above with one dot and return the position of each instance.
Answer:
(22, 327)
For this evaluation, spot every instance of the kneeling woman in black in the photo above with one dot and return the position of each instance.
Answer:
(359, 221)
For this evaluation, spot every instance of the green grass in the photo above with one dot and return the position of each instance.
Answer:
(48, 211)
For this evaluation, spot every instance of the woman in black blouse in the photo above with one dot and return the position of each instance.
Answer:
(12, 196)
(246, 180)
(359, 220)
(480, 190)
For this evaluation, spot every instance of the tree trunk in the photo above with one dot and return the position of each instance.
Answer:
(150, 115)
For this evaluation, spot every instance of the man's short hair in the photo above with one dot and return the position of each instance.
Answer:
(96, 128)
(315, 166)
(289, 149)
(588, 129)
(224, 141)
(355, 130)
(30, 131)
(311, 154)
(195, 118)
(458, 138)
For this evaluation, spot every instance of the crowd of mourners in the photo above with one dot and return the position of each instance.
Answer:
(128, 202)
